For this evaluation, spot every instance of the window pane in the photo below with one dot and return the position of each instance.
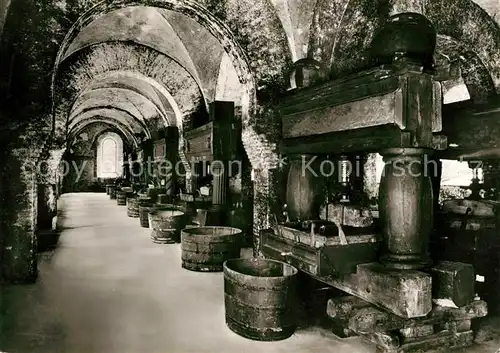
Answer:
(109, 156)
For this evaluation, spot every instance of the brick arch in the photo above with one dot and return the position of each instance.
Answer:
(173, 83)
(175, 105)
(260, 146)
(476, 75)
(112, 112)
(189, 8)
(462, 20)
(127, 136)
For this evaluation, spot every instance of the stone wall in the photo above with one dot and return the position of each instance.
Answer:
(18, 214)
(80, 160)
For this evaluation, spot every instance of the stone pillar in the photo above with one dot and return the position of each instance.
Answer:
(18, 243)
(47, 206)
(406, 209)
(261, 207)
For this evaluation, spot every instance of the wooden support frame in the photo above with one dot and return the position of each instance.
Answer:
(473, 131)
(407, 294)
(394, 109)
(441, 328)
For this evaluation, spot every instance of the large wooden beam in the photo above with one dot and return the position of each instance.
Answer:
(375, 111)
(453, 282)
(473, 131)
(407, 294)
(371, 139)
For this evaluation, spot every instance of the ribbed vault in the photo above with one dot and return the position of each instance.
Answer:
(205, 44)
(146, 68)
(160, 62)
(133, 125)
(113, 125)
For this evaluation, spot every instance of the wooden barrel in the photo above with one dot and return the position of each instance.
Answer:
(133, 207)
(121, 198)
(167, 224)
(163, 199)
(204, 249)
(144, 215)
(260, 298)
(304, 189)
(145, 205)
(153, 194)
(155, 207)
(112, 192)
(127, 190)
(108, 189)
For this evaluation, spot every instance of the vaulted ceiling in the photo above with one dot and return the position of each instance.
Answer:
(143, 67)
(146, 64)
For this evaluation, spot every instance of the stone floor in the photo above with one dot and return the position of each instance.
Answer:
(107, 288)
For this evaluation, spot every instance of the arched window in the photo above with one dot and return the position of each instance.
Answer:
(109, 156)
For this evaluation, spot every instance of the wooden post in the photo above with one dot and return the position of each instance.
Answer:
(224, 148)
(147, 148)
(172, 156)
(193, 180)
(220, 180)
(406, 209)
(126, 167)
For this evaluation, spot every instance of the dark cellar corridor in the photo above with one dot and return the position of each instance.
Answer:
(107, 288)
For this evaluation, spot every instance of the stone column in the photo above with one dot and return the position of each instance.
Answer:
(18, 187)
(47, 206)
(406, 209)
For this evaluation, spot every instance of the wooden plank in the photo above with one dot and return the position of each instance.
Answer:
(359, 86)
(318, 240)
(419, 110)
(368, 140)
(407, 294)
(347, 214)
(343, 306)
(442, 341)
(474, 130)
(373, 319)
(375, 111)
(479, 208)
(199, 131)
(325, 261)
(437, 118)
